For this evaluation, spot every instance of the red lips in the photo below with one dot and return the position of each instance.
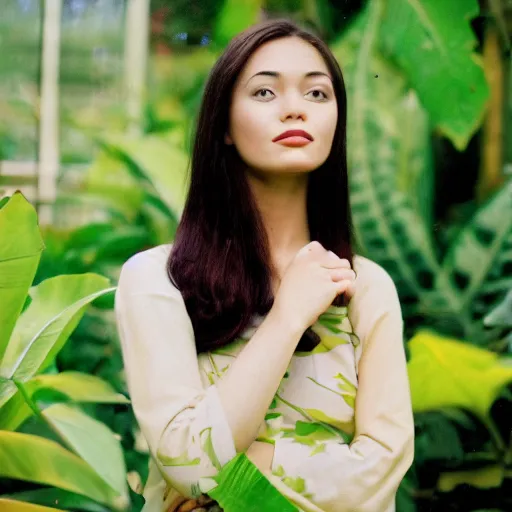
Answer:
(293, 133)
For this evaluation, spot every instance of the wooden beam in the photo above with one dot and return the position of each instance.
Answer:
(49, 148)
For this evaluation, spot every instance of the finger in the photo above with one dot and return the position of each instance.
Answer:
(188, 506)
(313, 249)
(342, 286)
(351, 290)
(343, 273)
(332, 261)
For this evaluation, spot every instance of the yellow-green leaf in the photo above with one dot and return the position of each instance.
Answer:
(241, 486)
(93, 442)
(481, 478)
(446, 372)
(35, 459)
(158, 160)
(78, 387)
(20, 250)
(7, 505)
(58, 304)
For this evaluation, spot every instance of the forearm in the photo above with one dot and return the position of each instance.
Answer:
(247, 389)
(261, 455)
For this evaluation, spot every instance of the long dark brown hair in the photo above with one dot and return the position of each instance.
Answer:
(220, 259)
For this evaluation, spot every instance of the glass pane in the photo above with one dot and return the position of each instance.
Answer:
(20, 50)
(91, 74)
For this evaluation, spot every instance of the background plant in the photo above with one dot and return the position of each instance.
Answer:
(415, 84)
(46, 438)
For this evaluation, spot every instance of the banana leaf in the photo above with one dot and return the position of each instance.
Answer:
(240, 485)
(20, 251)
(433, 42)
(7, 505)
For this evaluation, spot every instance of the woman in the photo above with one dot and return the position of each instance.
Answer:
(236, 338)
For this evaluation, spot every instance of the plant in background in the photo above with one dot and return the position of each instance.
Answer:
(73, 453)
(457, 389)
(462, 443)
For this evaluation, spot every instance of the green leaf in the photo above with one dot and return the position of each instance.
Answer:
(20, 252)
(158, 161)
(35, 459)
(437, 440)
(78, 387)
(107, 178)
(433, 42)
(445, 372)
(391, 226)
(57, 306)
(319, 13)
(475, 265)
(95, 243)
(7, 505)
(93, 442)
(234, 17)
(65, 499)
(501, 315)
(241, 486)
(489, 477)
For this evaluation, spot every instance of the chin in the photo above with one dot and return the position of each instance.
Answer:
(298, 166)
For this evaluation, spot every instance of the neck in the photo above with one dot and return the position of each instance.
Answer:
(281, 201)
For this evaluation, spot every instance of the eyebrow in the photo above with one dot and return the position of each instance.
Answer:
(275, 74)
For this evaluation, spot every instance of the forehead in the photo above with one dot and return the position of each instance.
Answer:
(289, 56)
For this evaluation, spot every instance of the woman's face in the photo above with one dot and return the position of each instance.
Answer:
(284, 86)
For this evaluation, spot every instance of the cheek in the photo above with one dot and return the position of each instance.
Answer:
(329, 126)
(249, 128)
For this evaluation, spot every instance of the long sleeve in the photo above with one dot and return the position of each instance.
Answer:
(183, 423)
(363, 476)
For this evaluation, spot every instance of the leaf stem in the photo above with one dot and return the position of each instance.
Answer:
(35, 409)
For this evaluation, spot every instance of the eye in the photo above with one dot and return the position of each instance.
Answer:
(264, 94)
(318, 94)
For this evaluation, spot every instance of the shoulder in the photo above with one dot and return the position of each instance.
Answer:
(368, 271)
(373, 283)
(146, 270)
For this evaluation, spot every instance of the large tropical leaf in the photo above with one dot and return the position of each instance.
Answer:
(108, 179)
(35, 459)
(501, 315)
(46, 497)
(241, 486)
(57, 306)
(20, 249)
(92, 245)
(155, 159)
(391, 225)
(93, 442)
(7, 505)
(478, 265)
(433, 43)
(78, 387)
(445, 372)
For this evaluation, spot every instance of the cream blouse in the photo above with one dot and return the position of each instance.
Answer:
(341, 421)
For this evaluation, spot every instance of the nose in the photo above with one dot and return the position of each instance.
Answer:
(293, 108)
